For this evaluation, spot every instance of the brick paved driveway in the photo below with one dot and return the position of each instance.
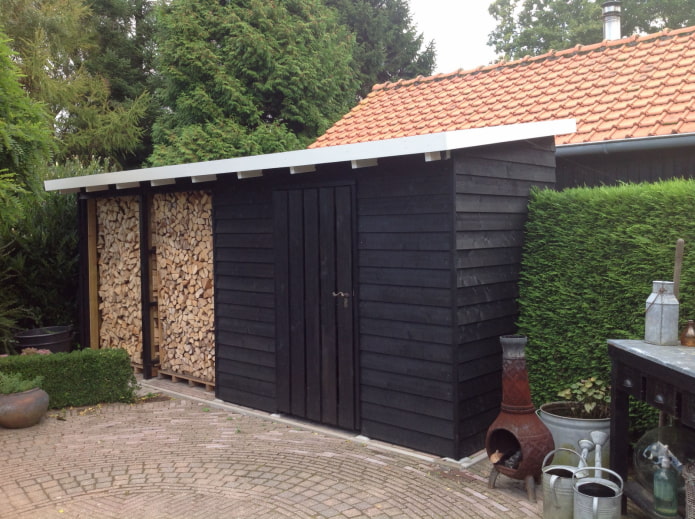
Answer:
(193, 457)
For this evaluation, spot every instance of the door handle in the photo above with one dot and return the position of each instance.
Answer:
(341, 294)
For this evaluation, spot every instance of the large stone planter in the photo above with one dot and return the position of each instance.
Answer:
(19, 410)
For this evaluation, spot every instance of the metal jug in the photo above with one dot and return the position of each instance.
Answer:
(558, 494)
(597, 497)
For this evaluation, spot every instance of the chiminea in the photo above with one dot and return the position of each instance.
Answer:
(517, 441)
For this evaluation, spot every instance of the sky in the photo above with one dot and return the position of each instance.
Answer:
(460, 30)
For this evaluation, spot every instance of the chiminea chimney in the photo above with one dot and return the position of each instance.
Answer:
(611, 20)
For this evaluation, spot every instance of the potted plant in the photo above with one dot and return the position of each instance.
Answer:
(22, 401)
(585, 409)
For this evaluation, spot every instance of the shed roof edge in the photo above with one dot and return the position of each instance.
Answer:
(364, 151)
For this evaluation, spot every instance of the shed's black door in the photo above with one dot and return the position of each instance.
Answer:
(315, 300)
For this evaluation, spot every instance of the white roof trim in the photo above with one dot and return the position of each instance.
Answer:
(302, 160)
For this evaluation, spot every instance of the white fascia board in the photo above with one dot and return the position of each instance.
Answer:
(299, 160)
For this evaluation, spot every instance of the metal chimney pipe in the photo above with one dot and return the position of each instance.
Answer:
(611, 20)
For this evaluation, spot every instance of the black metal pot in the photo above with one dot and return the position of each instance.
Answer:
(57, 339)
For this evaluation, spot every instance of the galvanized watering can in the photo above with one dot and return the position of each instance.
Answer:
(597, 497)
(558, 494)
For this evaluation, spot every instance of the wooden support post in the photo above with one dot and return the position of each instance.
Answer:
(145, 201)
(93, 274)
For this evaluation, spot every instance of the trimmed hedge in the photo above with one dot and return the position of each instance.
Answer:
(590, 257)
(84, 377)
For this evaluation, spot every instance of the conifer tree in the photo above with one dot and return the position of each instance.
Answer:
(248, 77)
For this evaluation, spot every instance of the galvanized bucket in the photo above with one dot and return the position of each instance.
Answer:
(558, 494)
(597, 497)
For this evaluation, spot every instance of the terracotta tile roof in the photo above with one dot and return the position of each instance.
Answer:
(634, 87)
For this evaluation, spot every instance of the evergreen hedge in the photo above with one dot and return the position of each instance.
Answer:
(590, 257)
(85, 377)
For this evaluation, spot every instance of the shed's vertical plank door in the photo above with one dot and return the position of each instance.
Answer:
(315, 311)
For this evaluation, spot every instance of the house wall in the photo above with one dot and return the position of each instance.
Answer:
(638, 166)
(492, 187)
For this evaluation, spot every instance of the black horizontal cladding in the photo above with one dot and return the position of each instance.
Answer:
(486, 311)
(407, 419)
(417, 332)
(232, 340)
(405, 223)
(489, 365)
(487, 275)
(480, 349)
(231, 389)
(492, 188)
(244, 296)
(245, 284)
(403, 435)
(407, 348)
(253, 371)
(473, 221)
(409, 277)
(246, 326)
(425, 241)
(252, 299)
(418, 368)
(412, 403)
(474, 429)
(405, 235)
(405, 259)
(472, 295)
(242, 255)
(609, 169)
(475, 258)
(439, 297)
(244, 269)
(533, 159)
(406, 312)
(490, 204)
(261, 354)
(503, 179)
(225, 239)
(407, 385)
(467, 240)
(248, 312)
(420, 204)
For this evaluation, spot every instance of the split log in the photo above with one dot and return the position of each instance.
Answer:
(182, 236)
(118, 265)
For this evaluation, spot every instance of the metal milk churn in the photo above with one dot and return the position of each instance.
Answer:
(661, 315)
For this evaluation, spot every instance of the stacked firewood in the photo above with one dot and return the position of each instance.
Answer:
(118, 265)
(182, 228)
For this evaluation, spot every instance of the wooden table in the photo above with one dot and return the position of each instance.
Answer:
(661, 376)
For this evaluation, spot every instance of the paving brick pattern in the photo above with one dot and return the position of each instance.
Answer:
(195, 457)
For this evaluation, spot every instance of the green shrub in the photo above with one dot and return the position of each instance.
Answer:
(590, 257)
(16, 383)
(39, 252)
(43, 257)
(85, 377)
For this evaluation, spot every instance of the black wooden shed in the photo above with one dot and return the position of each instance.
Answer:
(362, 286)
